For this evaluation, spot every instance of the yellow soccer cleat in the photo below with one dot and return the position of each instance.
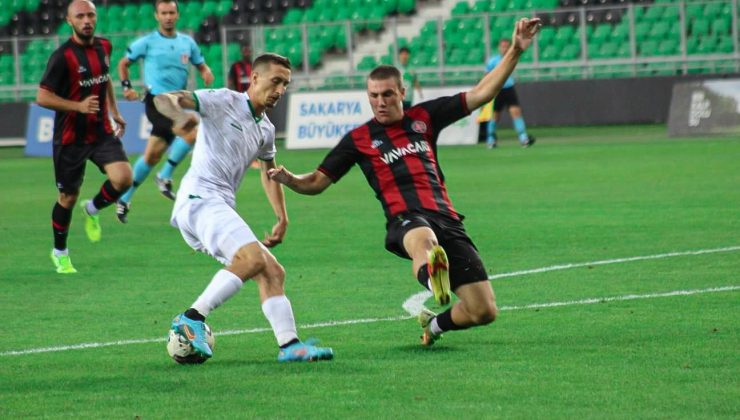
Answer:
(425, 318)
(92, 224)
(62, 263)
(439, 275)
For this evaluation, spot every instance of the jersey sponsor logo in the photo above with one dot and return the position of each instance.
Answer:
(409, 149)
(376, 143)
(419, 126)
(94, 80)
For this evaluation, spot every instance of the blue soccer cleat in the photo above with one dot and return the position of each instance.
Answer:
(305, 352)
(195, 332)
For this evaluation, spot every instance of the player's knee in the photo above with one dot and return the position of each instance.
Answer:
(122, 182)
(249, 260)
(484, 314)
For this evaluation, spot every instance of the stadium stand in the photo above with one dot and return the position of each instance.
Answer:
(581, 38)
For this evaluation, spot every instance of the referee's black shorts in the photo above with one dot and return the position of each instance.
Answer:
(161, 125)
(465, 262)
(505, 98)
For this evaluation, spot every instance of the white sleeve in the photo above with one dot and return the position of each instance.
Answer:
(208, 101)
(267, 152)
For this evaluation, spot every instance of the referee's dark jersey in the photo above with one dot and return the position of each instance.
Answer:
(74, 72)
(400, 160)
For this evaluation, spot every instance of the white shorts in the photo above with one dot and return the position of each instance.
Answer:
(211, 226)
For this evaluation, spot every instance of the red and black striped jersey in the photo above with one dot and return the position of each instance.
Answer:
(75, 72)
(239, 74)
(400, 160)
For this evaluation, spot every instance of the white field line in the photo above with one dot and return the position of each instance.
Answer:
(614, 261)
(413, 304)
(589, 301)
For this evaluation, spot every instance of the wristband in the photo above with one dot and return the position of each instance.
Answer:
(126, 84)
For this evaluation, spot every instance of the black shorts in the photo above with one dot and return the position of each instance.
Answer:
(505, 98)
(161, 125)
(70, 159)
(465, 263)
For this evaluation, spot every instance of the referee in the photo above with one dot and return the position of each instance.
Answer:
(167, 56)
(506, 99)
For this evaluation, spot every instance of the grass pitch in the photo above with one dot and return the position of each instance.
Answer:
(609, 337)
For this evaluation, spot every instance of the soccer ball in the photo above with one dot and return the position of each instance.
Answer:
(182, 352)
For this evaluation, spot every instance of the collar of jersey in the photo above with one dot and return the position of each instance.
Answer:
(165, 36)
(251, 109)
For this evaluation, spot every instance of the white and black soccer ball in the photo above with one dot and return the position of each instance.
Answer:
(181, 351)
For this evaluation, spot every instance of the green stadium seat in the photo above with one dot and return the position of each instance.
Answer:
(601, 33)
(624, 50)
(550, 53)
(481, 6)
(659, 30)
(375, 17)
(699, 27)
(367, 63)
(570, 52)
(725, 45)
(668, 47)
(642, 29)
(460, 8)
(609, 50)
(652, 14)
(648, 48)
(621, 33)
(223, 7)
(564, 35)
(547, 34)
(713, 10)
(721, 26)
(694, 10)
(406, 6)
(517, 4)
(294, 15)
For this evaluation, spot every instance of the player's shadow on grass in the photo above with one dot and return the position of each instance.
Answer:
(418, 349)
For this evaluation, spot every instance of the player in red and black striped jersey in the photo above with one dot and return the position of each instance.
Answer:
(397, 152)
(240, 71)
(76, 84)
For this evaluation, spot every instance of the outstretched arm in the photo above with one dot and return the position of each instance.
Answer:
(491, 84)
(310, 184)
(205, 73)
(172, 105)
(276, 197)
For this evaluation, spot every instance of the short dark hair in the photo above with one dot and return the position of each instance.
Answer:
(158, 2)
(384, 72)
(272, 58)
(404, 49)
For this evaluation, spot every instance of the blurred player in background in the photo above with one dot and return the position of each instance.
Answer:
(241, 70)
(408, 76)
(167, 55)
(397, 151)
(506, 99)
(76, 84)
(233, 132)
